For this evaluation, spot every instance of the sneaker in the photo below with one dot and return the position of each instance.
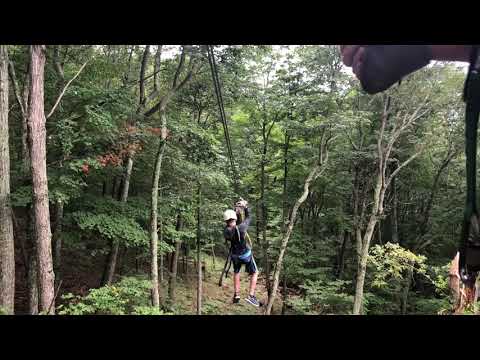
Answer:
(252, 300)
(236, 299)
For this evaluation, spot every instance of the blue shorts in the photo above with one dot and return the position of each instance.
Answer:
(245, 259)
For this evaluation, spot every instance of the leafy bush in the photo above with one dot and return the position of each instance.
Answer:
(431, 306)
(323, 297)
(129, 296)
(392, 263)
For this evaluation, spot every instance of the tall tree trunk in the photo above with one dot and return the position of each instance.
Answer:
(285, 173)
(122, 195)
(7, 259)
(394, 215)
(264, 220)
(161, 253)
(405, 292)
(199, 258)
(154, 212)
(109, 272)
(126, 179)
(173, 275)
(37, 134)
(154, 218)
(284, 301)
(314, 174)
(362, 267)
(114, 186)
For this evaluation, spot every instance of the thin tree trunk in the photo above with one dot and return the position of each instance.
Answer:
(341, 256)
(284, 302)
(126, 179)
(379, 232)
(123, 260)
(264, 222)
(173, 275)
(114, 186)
(285, 173)
(123, 189)
(109, 271)
(40, 183)
(199, 259)
(154, 212)
(161, 252)
(154, 223)
(7, 256)
(394, 215)
(405, 292)
(316, 171)
(122, 195)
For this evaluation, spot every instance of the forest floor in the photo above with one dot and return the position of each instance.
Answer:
(82, 271)
(218, 300)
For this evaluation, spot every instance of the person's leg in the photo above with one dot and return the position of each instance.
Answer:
(252, 269)
(236, 283)
(253, 283)
(236, 280)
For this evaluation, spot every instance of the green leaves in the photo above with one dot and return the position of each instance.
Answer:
(324, 297)
(130, 296)
(113, 227)
(392, 262)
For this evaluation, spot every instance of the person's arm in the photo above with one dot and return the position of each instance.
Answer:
(380, 66)
(243, 227)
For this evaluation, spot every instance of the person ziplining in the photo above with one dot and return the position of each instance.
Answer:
(240, 250)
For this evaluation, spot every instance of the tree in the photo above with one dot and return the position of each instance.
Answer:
(382, 181)
(317, 170)
(161, 108)
(7, 259)
(37, 139)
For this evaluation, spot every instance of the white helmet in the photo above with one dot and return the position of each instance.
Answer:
(229, 215)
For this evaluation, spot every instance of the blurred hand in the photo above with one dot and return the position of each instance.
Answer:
(380, 66)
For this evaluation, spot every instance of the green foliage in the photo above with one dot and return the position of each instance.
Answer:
(393, 263)
(430, 306)
(129, 296)
(323, 297)
(22, 196)
(288, 93)
(113, 227)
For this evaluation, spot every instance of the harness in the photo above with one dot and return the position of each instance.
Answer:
(469, 247)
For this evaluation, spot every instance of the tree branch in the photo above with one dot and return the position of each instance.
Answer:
(142, 98)
(65, 89)
(405, 163)
(179, 68)
(158, 59)
(56, 61)
(11, 71)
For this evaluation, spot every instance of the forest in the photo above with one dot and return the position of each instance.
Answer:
(117, 163)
